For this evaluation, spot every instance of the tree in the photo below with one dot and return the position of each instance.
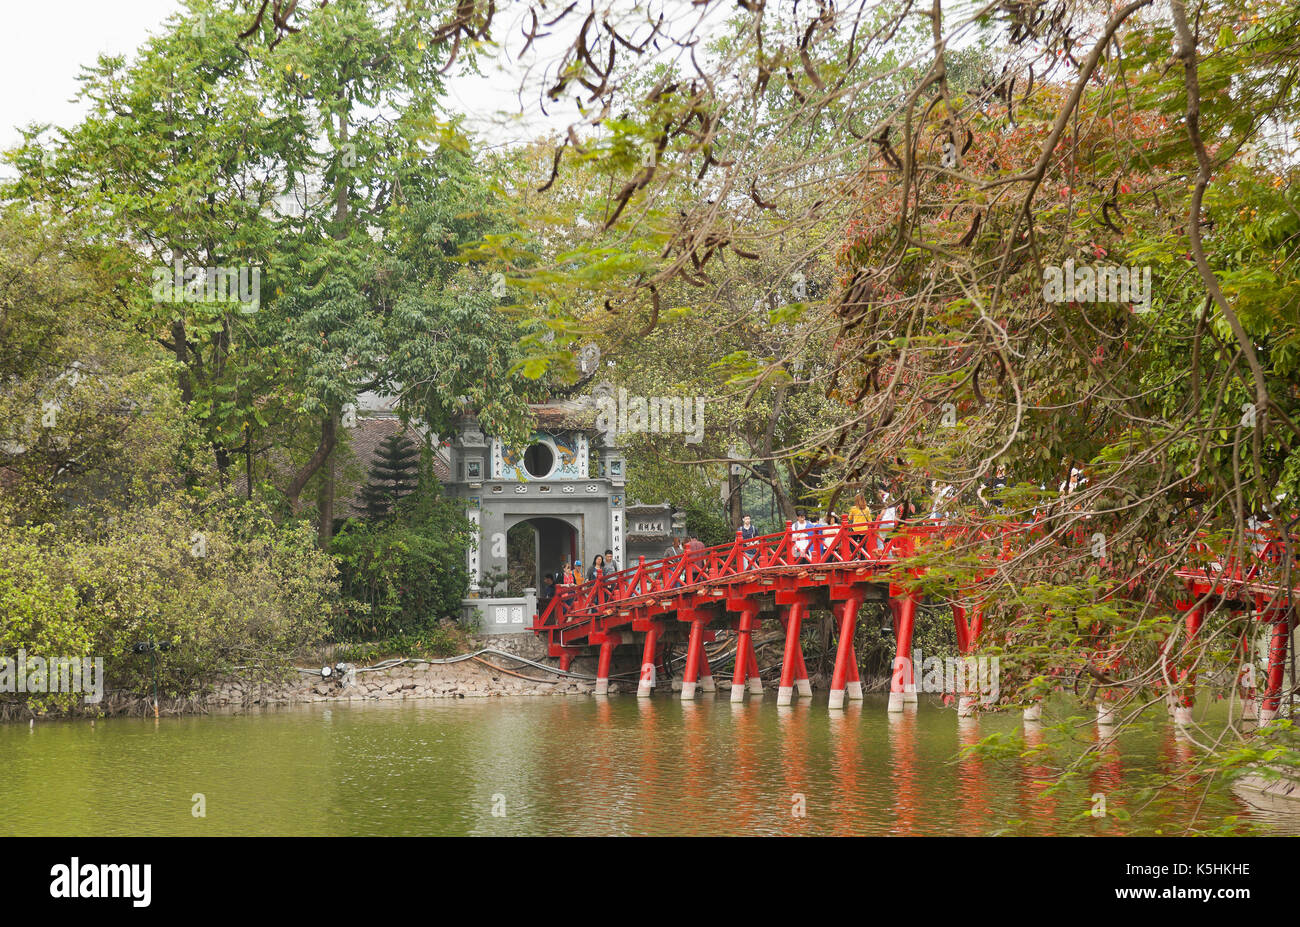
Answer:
(393, 475)
(322, 169)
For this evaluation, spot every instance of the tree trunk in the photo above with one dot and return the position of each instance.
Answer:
(325, 499)
(328, 438)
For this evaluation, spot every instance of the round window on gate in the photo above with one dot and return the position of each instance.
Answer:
(539, 460)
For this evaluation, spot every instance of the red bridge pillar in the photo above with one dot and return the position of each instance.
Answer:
(694, 652)
(746, 663)
(793, 671)
(1277, 648)
(902, 685)
(706, 672)
(608, 643)
(646, 683)
(969, 623)
(846, 659)
(1185, 695)
(1246, 679)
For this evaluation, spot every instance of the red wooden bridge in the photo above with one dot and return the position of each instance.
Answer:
(781, 577)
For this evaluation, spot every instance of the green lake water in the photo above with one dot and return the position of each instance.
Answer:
(579, 765)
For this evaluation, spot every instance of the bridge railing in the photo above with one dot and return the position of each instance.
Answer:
(874, 542)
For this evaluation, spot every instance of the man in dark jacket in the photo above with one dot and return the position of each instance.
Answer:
(747, 533)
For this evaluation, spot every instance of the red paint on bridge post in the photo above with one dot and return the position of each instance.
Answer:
(792, 668)
(607, 646)
(902, 684)
(694, 655)
(1277, 649)
(746, 662)
(647, 681)
(844, 654)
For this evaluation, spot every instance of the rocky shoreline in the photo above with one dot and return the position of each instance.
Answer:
(492, 675)
(465, 679)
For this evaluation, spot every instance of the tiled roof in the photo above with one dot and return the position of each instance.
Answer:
(565, 413)
(353, 459)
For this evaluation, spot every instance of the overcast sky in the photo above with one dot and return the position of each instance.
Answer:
(44, 45)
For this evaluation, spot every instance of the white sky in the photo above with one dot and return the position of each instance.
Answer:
(44, 45)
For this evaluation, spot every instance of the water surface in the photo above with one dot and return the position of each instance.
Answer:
(573, 766)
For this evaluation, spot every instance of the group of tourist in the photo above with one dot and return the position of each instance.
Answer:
(571, 574)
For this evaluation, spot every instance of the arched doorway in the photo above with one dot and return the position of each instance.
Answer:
(538, 545)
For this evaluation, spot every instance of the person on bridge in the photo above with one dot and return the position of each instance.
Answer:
(695, 550)
(828, 531)
(747, 533)
(858, 518)
(612, 564)
(859, 515)
(888, 518)
(994, 487)
(566, 574)
(940, 493)
(801, 533)
(597, 574)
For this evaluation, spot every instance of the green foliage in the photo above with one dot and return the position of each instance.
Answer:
(443, 640)
(224, 585)
(85, 408)
(403, 574)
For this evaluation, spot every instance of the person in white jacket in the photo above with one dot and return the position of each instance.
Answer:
(801, 537)
(888, 517)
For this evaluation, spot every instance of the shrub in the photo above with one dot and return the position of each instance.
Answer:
(402, 573)
(225, 588)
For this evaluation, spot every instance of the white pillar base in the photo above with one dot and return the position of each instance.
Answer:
(909, 693)
(1267, 714)
(854, 690)
(755, 685)
(602, 687)
(1249, 709)
(784, 695)
(1033, 713)
(707, 684)
(1105, 716)
(895, 701)
(1183, 714)
(644, 690)
(805, 688)
(688, 691)
(965, 706)
(737, 693)
(837, 698)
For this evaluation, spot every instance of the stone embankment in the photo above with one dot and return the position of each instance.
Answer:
(466, 679)
(493, 675)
